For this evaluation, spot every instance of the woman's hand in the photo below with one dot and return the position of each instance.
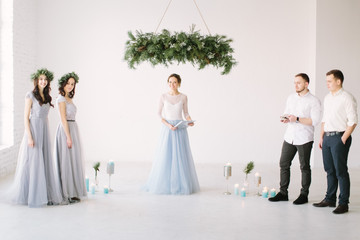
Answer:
(69, 142)
(31, 142)
(172, 127)
(191, 124)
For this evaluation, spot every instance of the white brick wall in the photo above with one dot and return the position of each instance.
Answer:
(25, 30)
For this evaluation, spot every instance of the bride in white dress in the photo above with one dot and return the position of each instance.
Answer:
(173, 170)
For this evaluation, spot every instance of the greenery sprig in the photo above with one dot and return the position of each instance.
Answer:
(43, 71)
(181, 47)
(96, 167)
(249, 167)
(65, 77)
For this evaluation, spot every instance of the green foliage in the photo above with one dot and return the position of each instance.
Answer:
(249, 167)
(96, 167)
(181, 47)
(43, 71)
(67, 76)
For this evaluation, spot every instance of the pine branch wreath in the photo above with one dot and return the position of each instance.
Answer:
(181, 47)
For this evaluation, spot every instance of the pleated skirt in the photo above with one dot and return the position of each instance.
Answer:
(70, 163)
(36, 181)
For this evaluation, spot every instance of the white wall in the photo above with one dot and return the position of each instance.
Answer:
(237, 115)
(24, 44)
(338, 47)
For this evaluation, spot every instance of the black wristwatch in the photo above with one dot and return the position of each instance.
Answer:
(297, 119)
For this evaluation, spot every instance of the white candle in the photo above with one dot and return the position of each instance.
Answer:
(272, 192)
(243, 192)
(110, 167)
(92, 188)
(265, 192)
(87, 181)
(106, 189)
(236, 189)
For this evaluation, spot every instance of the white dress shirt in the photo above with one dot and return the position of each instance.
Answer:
(307, 106)
(340, 111)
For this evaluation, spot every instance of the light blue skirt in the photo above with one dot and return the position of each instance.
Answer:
(173, 170)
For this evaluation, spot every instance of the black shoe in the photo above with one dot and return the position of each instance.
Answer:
(73, 200)
(279, 197)
(324, 203)
(301, 200)
(341, 209)
(76, 199)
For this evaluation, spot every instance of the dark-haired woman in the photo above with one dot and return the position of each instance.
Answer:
(36, 180)
(173, 170)
(67, 152)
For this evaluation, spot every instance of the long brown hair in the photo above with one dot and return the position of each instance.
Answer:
(63, 84)
(46, 92)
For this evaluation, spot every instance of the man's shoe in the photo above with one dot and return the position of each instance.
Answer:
(301, 200)
(341, 209)
(324, 203)
(279, 197)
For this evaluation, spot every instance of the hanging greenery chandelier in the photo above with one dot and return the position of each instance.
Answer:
(166, 48)
(181, 47)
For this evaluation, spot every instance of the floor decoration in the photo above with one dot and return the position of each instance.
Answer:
(227, 175)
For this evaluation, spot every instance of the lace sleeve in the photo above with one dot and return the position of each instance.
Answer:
(60, 99)
(185, 107)
(29, 95)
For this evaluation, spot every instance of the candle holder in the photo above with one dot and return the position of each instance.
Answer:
(243, 192)
(87, 184)
(273, 192)
(236, 189)
(106, 189)
(258, 183)
(227, 175)
(265, 192)
(110, 170)
(92, 188)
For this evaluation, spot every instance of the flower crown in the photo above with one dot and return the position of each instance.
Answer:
(65, 77)
(43, 71)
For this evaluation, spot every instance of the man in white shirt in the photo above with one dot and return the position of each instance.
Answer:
(339, 121)
(302, 114)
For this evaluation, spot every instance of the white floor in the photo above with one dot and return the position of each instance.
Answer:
(129, 213)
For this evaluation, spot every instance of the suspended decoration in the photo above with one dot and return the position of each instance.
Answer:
(180, 47)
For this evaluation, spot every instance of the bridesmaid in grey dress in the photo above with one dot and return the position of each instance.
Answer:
(68, 156)
(36, 182)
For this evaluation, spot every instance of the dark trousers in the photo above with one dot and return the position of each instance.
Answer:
(335, 155)
(288, 152)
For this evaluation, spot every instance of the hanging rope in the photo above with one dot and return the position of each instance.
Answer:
(197, 7)
(202, 17)
(163, 16)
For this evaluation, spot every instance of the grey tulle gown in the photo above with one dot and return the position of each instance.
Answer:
(36, 181)
(69, 160)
